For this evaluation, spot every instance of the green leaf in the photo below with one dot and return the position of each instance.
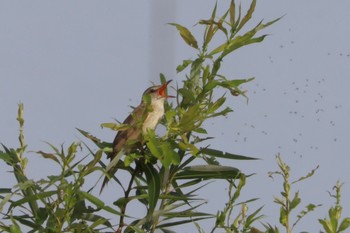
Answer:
(296, 201)
(344, 225)
(136, 229)
(153, 186)
(240, 41)
(232, 11)
(7, 158)
(186, 35)
(98, 142)
(200, 130)
(97, 202)
(96, 219)
(162, 150)
(185, 63)
(5, 190)
(4, 200)
(252, 218)
(208, 172)
(181, 222)
(152, 144)
(189, 147)
(195, 74)
(32, 198)
(233, 83)
(326, 225)
(48, 156)
(169, 156)
(248, 15)
(307, 176)
(115, 127)
(15, 229)
(283, 216)
(210, 86)
(225, 155)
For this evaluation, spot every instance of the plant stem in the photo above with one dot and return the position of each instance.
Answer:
(126, 195)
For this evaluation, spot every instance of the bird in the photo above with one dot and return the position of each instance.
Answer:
(144, 117)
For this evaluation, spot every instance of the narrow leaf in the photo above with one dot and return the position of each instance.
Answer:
(186, 35)
(248, 15)
(208, 172)
(153, 187)
(48, 156)
(97, 202)
(225, 155)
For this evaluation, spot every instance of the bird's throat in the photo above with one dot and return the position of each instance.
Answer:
(153, 117)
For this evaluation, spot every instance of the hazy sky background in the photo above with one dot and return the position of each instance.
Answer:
(82, 63)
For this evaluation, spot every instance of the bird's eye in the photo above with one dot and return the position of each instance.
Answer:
(152, 90)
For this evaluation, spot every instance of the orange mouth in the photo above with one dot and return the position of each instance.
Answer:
(161, 90)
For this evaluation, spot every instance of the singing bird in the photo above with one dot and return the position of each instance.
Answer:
(144, 117)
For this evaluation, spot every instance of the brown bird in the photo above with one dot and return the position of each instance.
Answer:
(144, 117)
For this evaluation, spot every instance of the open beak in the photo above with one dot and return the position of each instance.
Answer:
(161, 90)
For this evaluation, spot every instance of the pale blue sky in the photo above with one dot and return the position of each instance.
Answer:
(81, 63)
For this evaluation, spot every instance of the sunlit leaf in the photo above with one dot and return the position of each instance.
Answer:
(326, 225)
(226, 155)
(189, 118)
(186, 35)
(345, 224)
(248, 15)
(5, 200)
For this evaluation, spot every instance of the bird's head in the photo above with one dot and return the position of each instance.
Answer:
(156, 92)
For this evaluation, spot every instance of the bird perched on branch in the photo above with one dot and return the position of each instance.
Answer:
(144, 117)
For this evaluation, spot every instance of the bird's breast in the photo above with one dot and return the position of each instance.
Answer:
(153, 116)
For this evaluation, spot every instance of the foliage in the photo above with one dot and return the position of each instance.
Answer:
(288, 202)
(331, 225)
(53, 204)
(164, 175)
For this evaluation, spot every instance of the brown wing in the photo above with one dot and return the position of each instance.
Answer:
(130, 135)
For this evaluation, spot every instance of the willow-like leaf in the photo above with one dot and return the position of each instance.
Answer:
(98, 142)
(97, 202)
(32, 198)
(181, 222)
(186, 35)
(96, 219)
(225, 155)
(248, 16)
(153, 187)
(48, 156)
(208, 172)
